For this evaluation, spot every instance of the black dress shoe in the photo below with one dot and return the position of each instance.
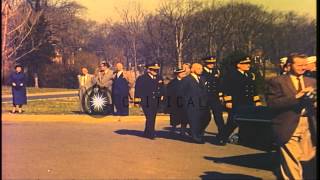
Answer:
(183, 132)
(173, 129)
(222, 142)
(198, 140)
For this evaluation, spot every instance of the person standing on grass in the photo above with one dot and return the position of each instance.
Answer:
(86, 81)
(18, 81)
(120, 91)
(104, 79)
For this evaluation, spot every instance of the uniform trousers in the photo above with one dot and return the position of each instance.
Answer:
(218, 118)
(298, 148)
(150, 113)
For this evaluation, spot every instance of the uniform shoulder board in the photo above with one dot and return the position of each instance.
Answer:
(217, 73)
(253, 76)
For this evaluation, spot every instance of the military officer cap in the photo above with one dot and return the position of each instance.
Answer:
(209, 59)
(153, 66)
(242, 59)
(178, 70)
(311, 59)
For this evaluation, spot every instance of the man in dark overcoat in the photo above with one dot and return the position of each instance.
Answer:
(175, 102)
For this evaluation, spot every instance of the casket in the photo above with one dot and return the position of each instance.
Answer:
(255, 129)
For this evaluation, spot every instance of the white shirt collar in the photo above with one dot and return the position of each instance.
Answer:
(196, 77)
(119, 73)
(242, 72)
(152, 76)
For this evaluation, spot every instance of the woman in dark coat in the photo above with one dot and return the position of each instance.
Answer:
(18, 83)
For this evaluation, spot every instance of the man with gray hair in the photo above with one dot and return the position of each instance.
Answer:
(86, 81)
(196, 102)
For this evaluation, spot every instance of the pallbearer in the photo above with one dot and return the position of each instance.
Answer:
(239, 89)
(196, 102)
(149, 92)
(175, 101)
(212, 77)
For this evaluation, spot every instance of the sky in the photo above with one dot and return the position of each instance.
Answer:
(100, 10)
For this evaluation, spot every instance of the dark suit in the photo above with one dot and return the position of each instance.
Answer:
(213, 86)
(120, 93)
(196, 105)
(281, 97)
(292, 127)
(149, 90)
(312, 74)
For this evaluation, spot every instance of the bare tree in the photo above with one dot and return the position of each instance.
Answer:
(132, 18)
(177, 14)
(19, 19)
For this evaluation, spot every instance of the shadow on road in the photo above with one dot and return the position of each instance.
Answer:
(159, 134)
(263, 161)
(218, 175)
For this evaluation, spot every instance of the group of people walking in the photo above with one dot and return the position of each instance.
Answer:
(193, 95)
(200, 91)
(197, 93)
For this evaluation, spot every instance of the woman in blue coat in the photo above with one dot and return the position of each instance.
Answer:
(18, 83)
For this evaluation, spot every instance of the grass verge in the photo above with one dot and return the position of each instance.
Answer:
(6, 90)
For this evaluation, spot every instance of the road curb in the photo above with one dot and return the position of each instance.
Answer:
(76, 118)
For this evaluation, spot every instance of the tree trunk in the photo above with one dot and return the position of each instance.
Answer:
(135, 56)
(4, 42)
(179, 45)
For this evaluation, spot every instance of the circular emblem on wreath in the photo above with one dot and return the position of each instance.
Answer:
(97, 101)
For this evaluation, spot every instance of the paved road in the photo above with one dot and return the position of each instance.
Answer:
(7, 99)
(84, 147)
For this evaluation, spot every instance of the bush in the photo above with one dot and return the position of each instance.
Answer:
(58, 76)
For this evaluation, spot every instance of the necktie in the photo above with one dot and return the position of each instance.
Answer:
(299, 84)
(84, 80)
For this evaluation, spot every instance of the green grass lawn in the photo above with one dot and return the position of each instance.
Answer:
(6, 90)
(56, 106)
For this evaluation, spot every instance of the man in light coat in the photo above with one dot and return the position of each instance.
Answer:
(104, 78)
(86, 81)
